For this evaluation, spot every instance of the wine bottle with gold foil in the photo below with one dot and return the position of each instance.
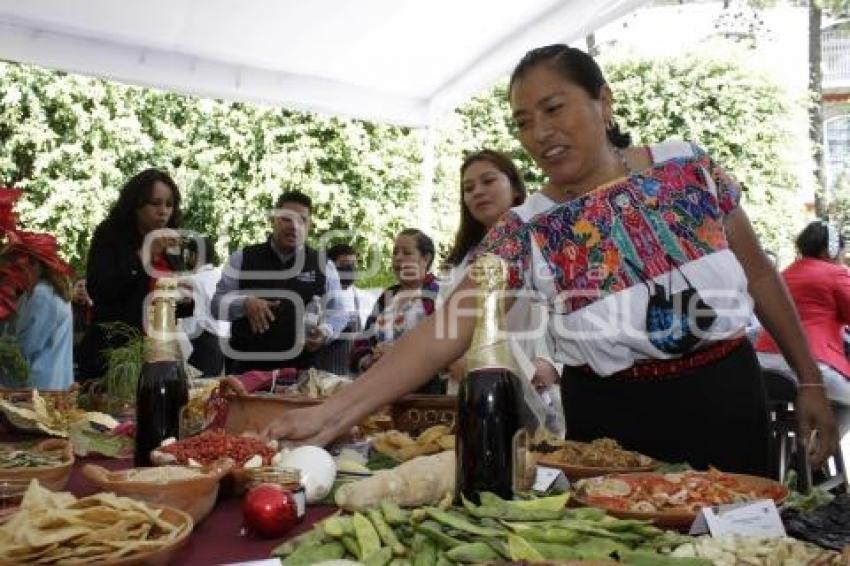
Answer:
(489, 396)
(163, 388)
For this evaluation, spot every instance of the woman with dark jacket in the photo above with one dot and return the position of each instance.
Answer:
(120, 261)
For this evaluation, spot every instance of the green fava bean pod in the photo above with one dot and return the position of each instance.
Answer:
(367, 536)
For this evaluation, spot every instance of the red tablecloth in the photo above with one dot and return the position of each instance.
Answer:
(217, 539)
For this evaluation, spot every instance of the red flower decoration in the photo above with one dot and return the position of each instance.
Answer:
(8, 218)
(23, 256)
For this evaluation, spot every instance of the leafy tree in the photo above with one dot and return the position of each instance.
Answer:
(71, 142)
(739, 117)
(834, 7)
(839, 204)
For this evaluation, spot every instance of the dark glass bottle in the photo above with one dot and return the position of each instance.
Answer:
(489, 396)
(163, 388)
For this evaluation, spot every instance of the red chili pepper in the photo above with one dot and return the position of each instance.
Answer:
(211, 445)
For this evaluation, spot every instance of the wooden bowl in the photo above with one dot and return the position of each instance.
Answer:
(196, 496)
(52, 477)
(576, 472)
(414, 413)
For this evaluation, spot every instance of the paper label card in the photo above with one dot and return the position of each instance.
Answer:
(546, 478)
(752, 519)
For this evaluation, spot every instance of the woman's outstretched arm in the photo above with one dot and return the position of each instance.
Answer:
(416, 357)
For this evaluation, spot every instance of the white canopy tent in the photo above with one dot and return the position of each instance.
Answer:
(396, 61)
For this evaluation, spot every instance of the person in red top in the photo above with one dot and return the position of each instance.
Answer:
(819, 284)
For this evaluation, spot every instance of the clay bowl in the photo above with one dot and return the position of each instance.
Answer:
(233, 483)
(163, 555)
(680, 518)
(160, 556)
(195, 495)
(52, 477)
(11, 495)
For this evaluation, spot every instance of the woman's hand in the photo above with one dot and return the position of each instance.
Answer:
(814, 413)
(168, 239)
(163, 240)
(80, 294)
(302, 426)
(316, 339)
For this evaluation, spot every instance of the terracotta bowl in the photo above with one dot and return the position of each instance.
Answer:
(164, 554)
(52, 477)
(161, 556)
(233, 483)
(680, 519)
(196, 496)
(11, 495)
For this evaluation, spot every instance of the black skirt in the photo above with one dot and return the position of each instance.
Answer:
(712, 415)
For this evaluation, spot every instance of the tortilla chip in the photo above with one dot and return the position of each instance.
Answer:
(432, 434)
(57, 527)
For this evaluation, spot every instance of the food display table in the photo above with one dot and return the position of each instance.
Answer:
(461, 534)
(217, 539)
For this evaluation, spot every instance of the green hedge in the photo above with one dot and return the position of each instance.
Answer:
(71, 141)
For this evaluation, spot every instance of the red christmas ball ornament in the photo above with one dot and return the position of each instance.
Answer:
(269, 510)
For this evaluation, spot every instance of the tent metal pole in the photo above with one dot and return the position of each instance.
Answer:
(426, 186)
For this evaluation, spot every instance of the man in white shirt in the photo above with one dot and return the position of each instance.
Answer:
(266, 289)
(356, 303)
(202, 328)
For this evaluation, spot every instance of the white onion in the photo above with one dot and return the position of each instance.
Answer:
(317, 466)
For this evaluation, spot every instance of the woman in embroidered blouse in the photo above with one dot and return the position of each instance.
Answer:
(401, 307)
(638, 230)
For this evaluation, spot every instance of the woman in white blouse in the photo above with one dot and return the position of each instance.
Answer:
(650, 269)
(490, 186)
